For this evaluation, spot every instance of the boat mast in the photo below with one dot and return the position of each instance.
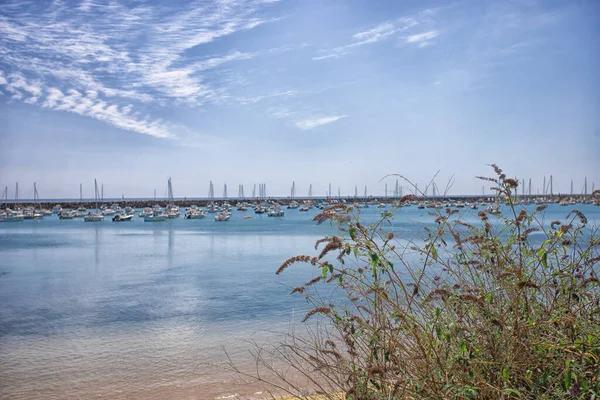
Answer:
(530, 186)
(225, 191)
(544, 187)
(571, 187)
(329, 193)
(310, 190)
(36, 197)
(386, 190)
(365, 191)
(585, 186)
(17, 193)
(355, 191)
(96, 193)
(80, 193)
(170, 192)
(254, 191)
(211, 191)
(551, 192)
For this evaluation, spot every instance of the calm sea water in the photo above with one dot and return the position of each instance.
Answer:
(144, 310)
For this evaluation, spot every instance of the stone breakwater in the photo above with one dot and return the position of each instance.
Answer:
(74, 204)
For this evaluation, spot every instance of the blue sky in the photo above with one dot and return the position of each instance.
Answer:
(311, 91)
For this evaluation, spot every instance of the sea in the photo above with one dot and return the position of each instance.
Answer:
(140, 310)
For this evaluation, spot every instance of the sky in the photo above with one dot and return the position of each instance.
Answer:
(241, 92)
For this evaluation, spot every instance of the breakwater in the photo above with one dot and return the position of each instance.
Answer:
(185, 202)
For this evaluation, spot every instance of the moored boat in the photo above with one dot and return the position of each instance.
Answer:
(195, 213)
(122, 217)
(95, 216)
(156, 216)
(12, 216)
(222, 216)
(276, 212)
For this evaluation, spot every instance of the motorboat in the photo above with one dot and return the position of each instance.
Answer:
(156, 216)
(276, 212)
(493, 209)
(32, 214)
(122, 217)
(67, 214)
(109, 212)
(222, 216)
(195, 213)
(94, 217)
(12, 216)
(146, 212)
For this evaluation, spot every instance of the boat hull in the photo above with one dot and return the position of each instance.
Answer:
(155, 219)
(12, 219)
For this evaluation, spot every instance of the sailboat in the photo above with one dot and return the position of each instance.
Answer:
(10, 215)
(34, 213)
(172, 211)
(276, 211)
(95, 216)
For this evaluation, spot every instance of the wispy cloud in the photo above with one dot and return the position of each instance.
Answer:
(122, 54)
(373, 35)
(376, 34)
(422, 39)
(315, 122)
(86, 104)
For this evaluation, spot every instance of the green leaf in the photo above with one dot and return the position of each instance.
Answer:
(543, 255)
(434, 253)
(352, 232)
(324, 271)
(568, 379)
(463, 347)
(439, 332)
(374, 259)
(512, 392)
(505, 374)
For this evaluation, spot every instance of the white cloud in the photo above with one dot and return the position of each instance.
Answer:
(379, 32)
(373, 35)
(125, 54)
(332, 55)
(315, 122)
(422, 37)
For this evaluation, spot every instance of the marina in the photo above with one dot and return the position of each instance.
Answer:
(145, 310)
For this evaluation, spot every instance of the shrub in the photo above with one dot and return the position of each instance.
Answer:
(481, 310)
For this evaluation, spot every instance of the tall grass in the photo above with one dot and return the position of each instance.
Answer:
(506, 307)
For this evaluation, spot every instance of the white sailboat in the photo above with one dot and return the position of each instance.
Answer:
(9, 215)
(276, 211)
(172, 211)
(94, 216)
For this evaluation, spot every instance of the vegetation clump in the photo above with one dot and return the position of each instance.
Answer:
(495, 306)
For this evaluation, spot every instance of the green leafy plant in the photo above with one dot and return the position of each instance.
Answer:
(505, 307)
